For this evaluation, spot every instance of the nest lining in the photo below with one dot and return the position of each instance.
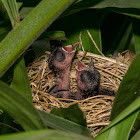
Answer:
(97, 108)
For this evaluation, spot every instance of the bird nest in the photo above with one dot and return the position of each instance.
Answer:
(97, 108)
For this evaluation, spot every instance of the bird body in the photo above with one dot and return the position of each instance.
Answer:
(88, 79)
(60, 61)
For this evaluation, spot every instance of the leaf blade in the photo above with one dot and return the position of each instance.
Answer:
(24, 34)
(20, 81)
(133, 107)
(129, 89)
(121, 130)
(59, 123)
(72, 113)
(136, 34)
(18, 107)
(12, 10)
(43, 134)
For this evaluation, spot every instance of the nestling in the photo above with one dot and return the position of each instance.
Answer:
(60, 61)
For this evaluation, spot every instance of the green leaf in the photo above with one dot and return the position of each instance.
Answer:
(120, 131)
(40, 46)
(59, 123)
(73, 25)
(20, 38)
(5, 25)
(32, 3)
(20, 82)
(95, 35)
(136, 136)
(116, 33)
(1, 111)
(137, 124)
(121, 126)
(18, 107)
(127, 7)
(12, 10)
(4, 30)
(5, 2)
(118, 3)
(28, 6)
(25, 11)
(19, 4)
(72, 113)
(8, 125)
(123, 7)
(43, 135)
(127, 11)
(129, 89)
(56, 35)
(136, 34)
(82, 4)
(125, 39)
(133, 107)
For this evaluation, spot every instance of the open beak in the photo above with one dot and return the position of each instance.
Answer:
(80, 66)
(70, 48)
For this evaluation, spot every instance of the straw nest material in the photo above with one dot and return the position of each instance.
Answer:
(97, 108)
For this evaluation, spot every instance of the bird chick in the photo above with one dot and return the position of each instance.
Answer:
(60, 61)
(88, 79)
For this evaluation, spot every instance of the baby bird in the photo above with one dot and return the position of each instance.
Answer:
(60, 61)
(88, 79)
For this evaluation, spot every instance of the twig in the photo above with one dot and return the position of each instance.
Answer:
(95, 43)
(9, 127)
